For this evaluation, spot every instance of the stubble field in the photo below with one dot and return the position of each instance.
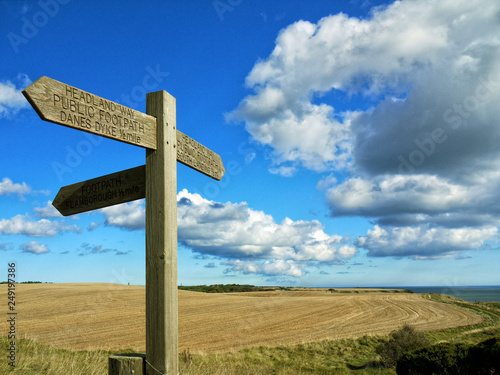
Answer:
(112, 317)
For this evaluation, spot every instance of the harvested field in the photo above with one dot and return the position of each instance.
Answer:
(110, 316)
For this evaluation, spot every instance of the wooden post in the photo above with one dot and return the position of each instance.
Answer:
(126, 364)
(162, 340)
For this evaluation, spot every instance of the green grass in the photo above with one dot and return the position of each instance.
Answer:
(326, 357)
(489, 328)
(347, 356)
(36, 359)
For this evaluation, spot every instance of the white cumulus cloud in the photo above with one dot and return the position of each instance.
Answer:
(275, 267)
(42, 228)
(129, 216)
(7, 186)
(233, 230)
(34, 247)
(402, 48)
(47, 212)
(424, 241)
(236, 232)
(11, 97)
(390, 194)
(418, 145)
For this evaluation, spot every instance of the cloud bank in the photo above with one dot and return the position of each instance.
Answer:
(22, 225)
(248, 241)
(421, 159)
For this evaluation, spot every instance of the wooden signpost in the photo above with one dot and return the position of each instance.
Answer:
(157, 181)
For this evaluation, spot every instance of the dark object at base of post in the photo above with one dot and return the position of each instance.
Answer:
(127, 364)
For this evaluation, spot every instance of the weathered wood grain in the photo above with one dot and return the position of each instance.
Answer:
(162, 340)
(198, 157)
(65, 105)
(126, 364)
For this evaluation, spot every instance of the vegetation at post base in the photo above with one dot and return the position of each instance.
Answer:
(33, 358)
(228, 288)
(451, 359)
(400, 342)
(346, 356)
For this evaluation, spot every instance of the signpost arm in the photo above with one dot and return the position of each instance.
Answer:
(161, 240)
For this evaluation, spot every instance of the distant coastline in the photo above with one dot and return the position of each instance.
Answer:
(466, 293)
(484, 293)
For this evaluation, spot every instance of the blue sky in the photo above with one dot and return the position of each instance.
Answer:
(360, 139)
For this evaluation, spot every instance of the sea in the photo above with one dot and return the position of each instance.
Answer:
(466, 293)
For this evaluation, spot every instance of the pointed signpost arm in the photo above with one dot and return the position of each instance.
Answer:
(66, 105)
(101, 192)
(161, 240)
(198, 157)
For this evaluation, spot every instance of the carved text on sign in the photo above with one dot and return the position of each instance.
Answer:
(82, 109)
(66, 105)
(100, 192)
(198, 157)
